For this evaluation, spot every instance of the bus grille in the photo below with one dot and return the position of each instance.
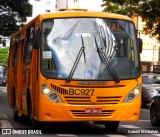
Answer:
(59, 89)
(81, 113)
(86, 100)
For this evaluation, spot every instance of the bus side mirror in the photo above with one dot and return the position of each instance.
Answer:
(140, 44)
(37, 38)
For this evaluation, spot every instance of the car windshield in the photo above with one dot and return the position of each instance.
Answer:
(151, 79)
(89, 48)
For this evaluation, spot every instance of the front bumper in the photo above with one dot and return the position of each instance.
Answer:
(49, 111)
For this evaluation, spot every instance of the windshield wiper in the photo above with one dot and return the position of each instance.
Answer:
(82, 50)
(105, 61)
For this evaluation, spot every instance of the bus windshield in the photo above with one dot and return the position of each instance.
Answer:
(89, 48)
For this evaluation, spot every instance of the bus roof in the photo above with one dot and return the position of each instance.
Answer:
(84, 13)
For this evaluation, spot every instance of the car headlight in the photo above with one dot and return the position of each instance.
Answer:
(133, 94)
(51, 94)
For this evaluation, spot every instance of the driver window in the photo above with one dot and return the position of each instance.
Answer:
(29, 45)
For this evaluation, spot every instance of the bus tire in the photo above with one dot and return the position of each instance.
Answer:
(34, 123)
(15, 112)
(111, 125)
(37, 124)
(29, 108)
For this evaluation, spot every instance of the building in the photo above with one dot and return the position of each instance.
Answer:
(41, 6)
(150, 55)
(44, 6)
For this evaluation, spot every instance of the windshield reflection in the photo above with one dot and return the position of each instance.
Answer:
(61, 43)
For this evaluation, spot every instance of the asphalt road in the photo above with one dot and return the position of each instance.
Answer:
(76, 129)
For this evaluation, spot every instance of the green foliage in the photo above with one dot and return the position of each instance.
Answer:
(12, 15)
(125, 7)
(8, 24)
(149, 10)
(151, 14)
(4, 53)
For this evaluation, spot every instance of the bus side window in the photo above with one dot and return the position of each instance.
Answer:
(15, 52)
(29, 45)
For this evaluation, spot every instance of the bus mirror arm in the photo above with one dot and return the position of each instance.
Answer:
(37, 37)
(140, 44)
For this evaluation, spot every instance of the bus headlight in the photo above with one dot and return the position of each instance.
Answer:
(133, 94)
(54, 97)
(51, 94)
(46, 91)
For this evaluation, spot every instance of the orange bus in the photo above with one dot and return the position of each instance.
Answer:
(75, 66)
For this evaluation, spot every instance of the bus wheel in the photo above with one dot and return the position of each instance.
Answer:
(15, 112)
(34, 123)
(37, 125)
(111, 125)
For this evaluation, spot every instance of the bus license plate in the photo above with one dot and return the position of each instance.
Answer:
(93, 110)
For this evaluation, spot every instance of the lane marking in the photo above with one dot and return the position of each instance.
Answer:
(145, 110)
(157, 135)
(112, 135)
(129, 126)
(2, 115)
(142, 120)
(3, 91)
(5, 124)
(66, 135)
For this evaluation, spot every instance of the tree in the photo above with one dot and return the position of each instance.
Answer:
(151, 14)
(149, 10)
(4, 57)
(12, 15)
